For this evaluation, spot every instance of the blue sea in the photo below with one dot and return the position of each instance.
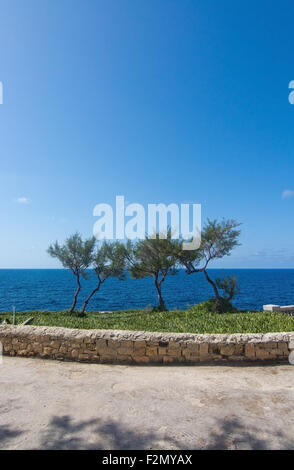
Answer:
(52, 289)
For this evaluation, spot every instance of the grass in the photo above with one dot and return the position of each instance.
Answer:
(195, 320)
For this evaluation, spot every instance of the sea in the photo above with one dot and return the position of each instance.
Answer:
(52, 289)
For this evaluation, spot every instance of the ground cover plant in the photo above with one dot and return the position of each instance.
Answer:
(198, 319)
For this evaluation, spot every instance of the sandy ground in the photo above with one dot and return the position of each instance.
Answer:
(63, 405)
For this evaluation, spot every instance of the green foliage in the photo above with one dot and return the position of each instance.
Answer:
(154, 256)
(196, 320)
(229, 285)
(217, 240)
(213, 307)
(109, 260)
(78, 255)
(75, 254)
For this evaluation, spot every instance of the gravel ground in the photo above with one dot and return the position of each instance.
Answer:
(66, 405)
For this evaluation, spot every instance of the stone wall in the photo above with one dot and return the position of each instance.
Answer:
(107, 346)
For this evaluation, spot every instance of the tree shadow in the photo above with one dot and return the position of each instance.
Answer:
(7, 433)
(64, 433)
(95, 434)
(234, 435)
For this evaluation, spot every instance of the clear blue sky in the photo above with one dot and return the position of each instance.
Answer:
(158, 100)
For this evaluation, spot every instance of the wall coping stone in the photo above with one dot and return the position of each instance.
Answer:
(60, 332)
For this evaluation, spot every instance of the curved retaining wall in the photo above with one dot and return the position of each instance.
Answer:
(108, 346)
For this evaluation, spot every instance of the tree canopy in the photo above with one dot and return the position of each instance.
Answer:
(218, 239)
(154, 257)
(108, 261)
(76, 255)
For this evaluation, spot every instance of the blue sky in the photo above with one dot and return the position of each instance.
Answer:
(160, 101)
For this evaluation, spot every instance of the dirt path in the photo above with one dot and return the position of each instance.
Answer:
(56, 405)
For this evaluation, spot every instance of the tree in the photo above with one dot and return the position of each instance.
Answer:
(156, 258)
(217, 240)
(76, 255)
(229, 285)
(108, 261)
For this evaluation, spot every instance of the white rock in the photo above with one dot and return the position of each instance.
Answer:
(287, 308)
(271, 308)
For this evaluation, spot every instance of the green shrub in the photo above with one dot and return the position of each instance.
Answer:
(211, 306)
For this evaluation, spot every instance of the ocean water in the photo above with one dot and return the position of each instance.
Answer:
(52, 289)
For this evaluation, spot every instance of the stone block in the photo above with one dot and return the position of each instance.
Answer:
(187, 353)
(283, 347)
(124, 351)
(101, 343)
(249, 350)
(203, 349)
(227, 350)
(162, 351)
(271, 345)
(261, 353)
(139, 352)
(47, 350)
(168, 359)
(95, 358)
(108, 359)
(83, 357)
(204, 358)
(174, 345)
(151, 351)
(139, 344)
(126, 344)
(22, 352)
(75, 353)
(214, 349)
(141, 359)
(114, 344)
(173, 352)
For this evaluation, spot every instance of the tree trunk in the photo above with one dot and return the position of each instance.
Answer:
(76, 295)
(212, 283)
(160, 299)
(90, 296)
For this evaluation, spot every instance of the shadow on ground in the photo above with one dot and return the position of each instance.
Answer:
(7, 433)
(63, 433)
(231, 434)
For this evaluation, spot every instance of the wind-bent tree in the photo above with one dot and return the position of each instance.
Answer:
(76, 255)
(108, 261)
(217, 240)
(155, 258)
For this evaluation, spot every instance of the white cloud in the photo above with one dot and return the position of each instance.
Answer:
(281, 253)
(287, 193)
(23, 200)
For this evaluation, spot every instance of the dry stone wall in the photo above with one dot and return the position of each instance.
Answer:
(135, 347)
